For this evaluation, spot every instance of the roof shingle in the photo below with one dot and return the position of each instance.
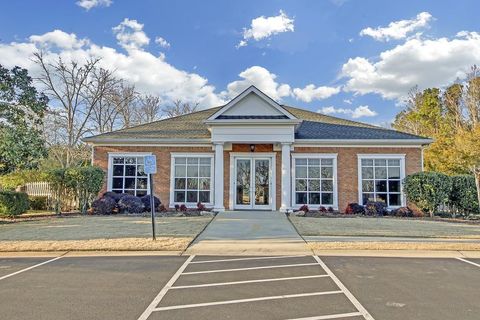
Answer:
(314, 126)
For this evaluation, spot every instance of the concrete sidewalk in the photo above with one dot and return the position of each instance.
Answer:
(249, 233)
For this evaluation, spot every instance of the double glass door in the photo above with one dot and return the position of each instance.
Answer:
(253, 183)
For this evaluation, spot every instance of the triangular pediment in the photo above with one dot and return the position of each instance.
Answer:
(252, 104)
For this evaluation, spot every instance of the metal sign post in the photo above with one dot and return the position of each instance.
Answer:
(150, 167)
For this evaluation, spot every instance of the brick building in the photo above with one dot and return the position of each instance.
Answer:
(254, 153)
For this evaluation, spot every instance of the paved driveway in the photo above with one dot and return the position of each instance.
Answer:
(249, 232)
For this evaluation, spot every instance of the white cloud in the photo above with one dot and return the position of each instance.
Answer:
(262, 79)
(348, 101)
(60, 39)
(398, 29)
(162, 42)
(264, 27)
(151, 74)
(426, 63)
(310, 93)
(130, 35)
(359, 112)
(89, 4)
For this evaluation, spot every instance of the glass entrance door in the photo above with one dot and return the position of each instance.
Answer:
(252, 183)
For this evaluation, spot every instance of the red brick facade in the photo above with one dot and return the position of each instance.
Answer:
(347, 165)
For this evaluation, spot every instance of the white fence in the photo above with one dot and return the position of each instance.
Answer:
(37, 189)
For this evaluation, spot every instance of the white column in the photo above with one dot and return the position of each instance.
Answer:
(286, 174)
(219, 176)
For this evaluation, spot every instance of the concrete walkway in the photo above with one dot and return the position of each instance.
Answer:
(249, 233)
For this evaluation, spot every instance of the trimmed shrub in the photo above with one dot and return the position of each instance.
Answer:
(354, 208)
(330, 209)
(464, 194)
(74, 183)
(201, 206)
(376, 208)
(115, 196)
(131, 204)
(427, 190)
(13, 203)
(177, 207)
(304, 208)
(162, 208)
(322, 209)
(38, 202)
(402, 212)
(146, 202)
(183, 208)
(86, 183)
(103, 205)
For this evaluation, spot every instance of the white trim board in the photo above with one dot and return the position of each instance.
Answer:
(111, 155)
(241, 96)
(374, 156)
(270, 155)
(332, 156)
(174, 155)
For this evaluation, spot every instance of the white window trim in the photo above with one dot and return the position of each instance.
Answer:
(112, 155)
(332, 156)
(174, 155)
(273, 164)
(401, 157)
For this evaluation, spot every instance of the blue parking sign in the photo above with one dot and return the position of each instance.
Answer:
(150, 164)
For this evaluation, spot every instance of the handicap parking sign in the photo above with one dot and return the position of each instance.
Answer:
(150, 164)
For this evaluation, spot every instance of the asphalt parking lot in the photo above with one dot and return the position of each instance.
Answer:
(212, 287)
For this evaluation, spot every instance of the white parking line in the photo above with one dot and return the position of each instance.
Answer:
(248, 281)
(207, 304)
(252, 268)
(29, 268)
(344, 289)
(164, 290)
(331, 316)
(472, 263)
(242, 259)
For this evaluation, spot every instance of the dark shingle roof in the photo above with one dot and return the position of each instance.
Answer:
(320, 130)
(314, 126)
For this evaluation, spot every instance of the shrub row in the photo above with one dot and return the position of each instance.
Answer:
(13, 203)
(112, 202)
(431, 190)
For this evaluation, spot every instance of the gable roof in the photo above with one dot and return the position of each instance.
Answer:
(274, 111)
(191, 128)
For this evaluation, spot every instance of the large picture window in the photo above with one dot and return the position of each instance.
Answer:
(127, 175)
(314, 180)
(192, 179)
(380, 179)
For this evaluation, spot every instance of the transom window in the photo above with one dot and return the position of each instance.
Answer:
(381, 180)
(314, 181)
(128, 176)
(192, 179)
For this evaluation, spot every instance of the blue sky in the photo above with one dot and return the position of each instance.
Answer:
(353, 74)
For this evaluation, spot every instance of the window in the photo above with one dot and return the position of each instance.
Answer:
(380, 179)
(314, 180)
(127, 175)
(192, 179)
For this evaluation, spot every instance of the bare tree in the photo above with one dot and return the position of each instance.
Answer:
(472, 96)
(105, 114)
(148, 109)
(77, 90)
(124, 98)
(179, 108)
